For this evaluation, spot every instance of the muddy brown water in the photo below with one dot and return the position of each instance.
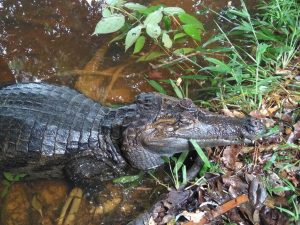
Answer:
(50, 41)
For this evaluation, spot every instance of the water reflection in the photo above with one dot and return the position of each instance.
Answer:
(41, 38)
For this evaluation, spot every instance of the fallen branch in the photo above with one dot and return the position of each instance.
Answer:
(220, 210)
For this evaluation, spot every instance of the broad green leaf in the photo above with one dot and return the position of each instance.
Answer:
(193, 31)
(153, 18)
(176, 89)
(167, 22)
(166, 40)
(150, 56)
(132, 36)
(172, 10)
(157, 86)
(134, 6)
(139, 44)
(110, 24)
(200, 153)
(153, 30)
(179, 35)
(183, 51)
(189, 19)
(106, 12)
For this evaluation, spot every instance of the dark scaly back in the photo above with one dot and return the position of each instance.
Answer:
(42, 120)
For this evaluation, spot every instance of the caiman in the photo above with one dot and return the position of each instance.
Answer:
(50, 131)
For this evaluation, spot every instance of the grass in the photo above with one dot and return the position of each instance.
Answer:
(249, 59)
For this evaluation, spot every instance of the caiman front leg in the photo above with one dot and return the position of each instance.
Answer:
(87, 174)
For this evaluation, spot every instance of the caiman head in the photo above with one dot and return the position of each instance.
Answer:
(163, 126)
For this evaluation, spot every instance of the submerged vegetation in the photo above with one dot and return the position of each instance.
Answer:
(249, 64)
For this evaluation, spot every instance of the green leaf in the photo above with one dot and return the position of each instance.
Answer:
(193, 31)
(153, 30)
(139, 44)
(218, 37)
(261, 48)
(183, 51)
(150, 56)
(166, 40)
(179, 35)
(132, 36)
(150, 9)
(172, 10)
(157, 86)
(106, 12)
(200, 153)
(220, 66)
(20, 176)
(180, 161)
(189, 19)
(270, 162)
(167, 22)
(184, 175)
(241, 13)
(154, 17)
(127, 179)
(244, 26)
(114, 2)
(176, 89)
(110, 24)
(134, 6)
(5, 191)
(9, 176)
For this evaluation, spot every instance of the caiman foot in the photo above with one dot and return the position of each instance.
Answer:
(70, 209)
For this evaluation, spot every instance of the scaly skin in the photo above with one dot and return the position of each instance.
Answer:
(49, 131)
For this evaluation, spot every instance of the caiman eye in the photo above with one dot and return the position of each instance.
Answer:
(184, 120)
(187, 104)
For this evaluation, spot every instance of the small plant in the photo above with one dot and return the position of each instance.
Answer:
(9, 180)
(136, 23)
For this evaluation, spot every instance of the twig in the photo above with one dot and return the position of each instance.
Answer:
(221, 210)
(174, 61)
